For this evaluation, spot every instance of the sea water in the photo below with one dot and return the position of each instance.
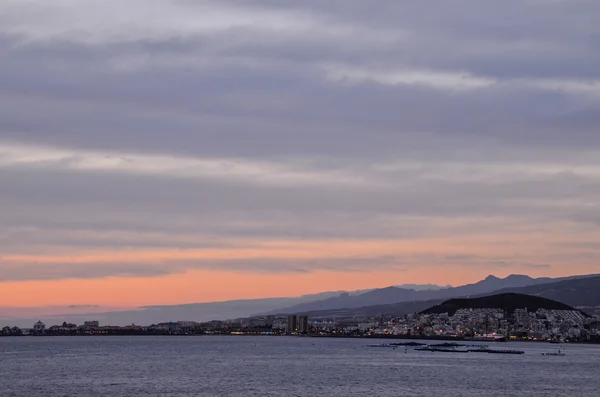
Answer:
(283, 366)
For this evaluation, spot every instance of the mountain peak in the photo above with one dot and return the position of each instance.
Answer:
(512, 277)
(491, 278)
(518, 276)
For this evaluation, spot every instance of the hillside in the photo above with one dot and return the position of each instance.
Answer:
(393, 309)
(508, 302)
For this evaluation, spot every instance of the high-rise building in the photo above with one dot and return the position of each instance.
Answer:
(303, 324)
(297, 324)
(292, 325)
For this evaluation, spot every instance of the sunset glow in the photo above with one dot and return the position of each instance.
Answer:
(237, 151)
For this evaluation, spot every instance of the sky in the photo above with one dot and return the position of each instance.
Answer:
(174, 151)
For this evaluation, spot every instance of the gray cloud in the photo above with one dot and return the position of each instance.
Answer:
(82, 306)
(47, 271)
(296, 121)
(527, 266)
(11, 271)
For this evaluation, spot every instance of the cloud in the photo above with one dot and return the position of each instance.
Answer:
(222, 125)
(109, 22)
(527, 266)
(459, 81)
(536, 266)
(494, 263)
(442, 80)
(15, 269)
(235, 169)
(462, 258)
(82, 306)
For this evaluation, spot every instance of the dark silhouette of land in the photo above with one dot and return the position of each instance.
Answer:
(508, 302)
(575, 290)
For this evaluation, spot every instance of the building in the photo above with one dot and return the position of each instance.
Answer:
(91, 324)
(292, 324)
(303, 324)
(39, 327)
(297, 324)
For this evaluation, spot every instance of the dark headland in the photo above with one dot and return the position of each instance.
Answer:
(508, 302)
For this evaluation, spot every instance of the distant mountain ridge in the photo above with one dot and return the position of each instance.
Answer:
(577, 291)
(574, 291)
(390, 295)
(147, 315)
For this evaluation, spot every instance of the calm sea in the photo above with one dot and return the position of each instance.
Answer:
(282, 366)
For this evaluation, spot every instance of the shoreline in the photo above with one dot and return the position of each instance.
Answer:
(366, 337)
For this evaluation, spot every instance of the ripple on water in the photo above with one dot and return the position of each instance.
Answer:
(277, 366)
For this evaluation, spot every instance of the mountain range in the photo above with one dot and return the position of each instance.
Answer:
(398, 300)
(398, 294)
(187, 312)
(582, 292)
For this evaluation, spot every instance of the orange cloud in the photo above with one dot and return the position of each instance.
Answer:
(442, 261)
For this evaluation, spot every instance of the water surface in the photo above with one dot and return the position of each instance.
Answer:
(283, 366)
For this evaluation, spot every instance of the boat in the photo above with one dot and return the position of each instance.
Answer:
(491, 337)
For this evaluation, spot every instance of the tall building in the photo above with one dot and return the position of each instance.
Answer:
(39, 327)
(297, 324)
(292, 325)
(303, 324)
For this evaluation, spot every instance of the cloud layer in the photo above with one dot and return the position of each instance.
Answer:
(283, 137)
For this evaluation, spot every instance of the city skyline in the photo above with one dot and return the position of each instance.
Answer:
(166, 152)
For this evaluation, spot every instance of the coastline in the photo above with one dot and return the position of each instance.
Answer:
(341, 336)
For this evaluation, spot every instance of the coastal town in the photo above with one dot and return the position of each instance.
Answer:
(464, 324)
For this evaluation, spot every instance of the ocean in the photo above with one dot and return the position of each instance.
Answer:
(283, 366)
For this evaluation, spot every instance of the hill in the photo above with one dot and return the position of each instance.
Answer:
(508, 302)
